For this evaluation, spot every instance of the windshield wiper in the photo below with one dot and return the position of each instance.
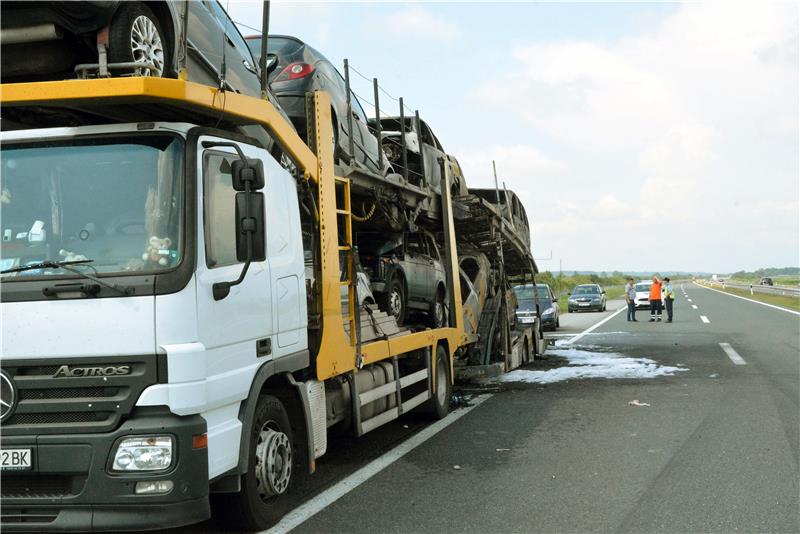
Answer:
(65, 265)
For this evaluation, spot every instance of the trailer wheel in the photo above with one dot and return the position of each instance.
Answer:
(440, 402)
(136, 35)
(269, 471)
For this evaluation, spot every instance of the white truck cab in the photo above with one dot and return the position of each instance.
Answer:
(126, 393)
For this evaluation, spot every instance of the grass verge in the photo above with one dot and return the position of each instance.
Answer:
(790, 303)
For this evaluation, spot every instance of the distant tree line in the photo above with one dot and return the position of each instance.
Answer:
(769, 271)
(561, 283)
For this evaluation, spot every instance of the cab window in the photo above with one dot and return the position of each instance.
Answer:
(219, 210)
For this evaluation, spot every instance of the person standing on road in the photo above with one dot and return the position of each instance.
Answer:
(655, 300)
(630, 298)
(669, 296)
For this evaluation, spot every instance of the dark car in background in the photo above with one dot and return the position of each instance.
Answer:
(406, 274)
(587, 297)
(537, 299)
(766, 281)
(301, 69)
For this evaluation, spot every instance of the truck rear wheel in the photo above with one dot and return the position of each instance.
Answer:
(440, 402)
(269, 471)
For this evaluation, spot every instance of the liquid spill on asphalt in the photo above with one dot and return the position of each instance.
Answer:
(582, 363)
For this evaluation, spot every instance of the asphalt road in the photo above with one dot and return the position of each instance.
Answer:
(716, 450)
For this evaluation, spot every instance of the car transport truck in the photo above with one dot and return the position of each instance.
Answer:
(162, 339)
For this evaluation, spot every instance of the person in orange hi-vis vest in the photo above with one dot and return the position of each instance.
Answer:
(655, 300)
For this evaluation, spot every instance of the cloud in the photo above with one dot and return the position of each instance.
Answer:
(678, 127)
(416, 21)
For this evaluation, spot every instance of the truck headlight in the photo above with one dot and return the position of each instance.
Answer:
(143, 453)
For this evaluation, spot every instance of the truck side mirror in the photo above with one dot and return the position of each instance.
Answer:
(247, 170)
(250, 226)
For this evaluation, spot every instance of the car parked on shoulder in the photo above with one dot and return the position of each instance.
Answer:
(587, 297)
(766, 281)
(301, 69)
(642, 299)
(406, 274)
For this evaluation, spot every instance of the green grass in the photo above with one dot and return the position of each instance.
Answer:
(783, 280)
(790, 303)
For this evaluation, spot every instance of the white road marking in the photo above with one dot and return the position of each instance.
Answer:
(690, 300)
(694, 306)
(576, 338)
(309, 509)
(704, 319)
(732, 354)
(747, 299)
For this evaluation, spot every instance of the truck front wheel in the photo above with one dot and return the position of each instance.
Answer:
(269, 472)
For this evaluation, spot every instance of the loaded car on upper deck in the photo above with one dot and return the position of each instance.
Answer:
(302, 69)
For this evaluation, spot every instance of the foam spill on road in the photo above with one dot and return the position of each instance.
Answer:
(591, 364)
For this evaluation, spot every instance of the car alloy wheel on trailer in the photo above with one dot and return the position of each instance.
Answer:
(136, 36)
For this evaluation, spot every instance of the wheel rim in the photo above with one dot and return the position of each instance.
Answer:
(146, 46)
(273, 462)
(438, 312)
(441, 384)
(395, 303)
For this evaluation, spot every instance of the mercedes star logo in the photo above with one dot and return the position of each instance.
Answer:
(8, 396)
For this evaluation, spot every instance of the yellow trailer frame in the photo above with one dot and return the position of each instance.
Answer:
(337, 354)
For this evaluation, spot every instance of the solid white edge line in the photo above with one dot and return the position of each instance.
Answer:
(747, 299)
(704, 319)
(732, 354)
(310, 508)
(694, 306)
(576, 338)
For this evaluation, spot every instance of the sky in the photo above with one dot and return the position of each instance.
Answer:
(639, 136)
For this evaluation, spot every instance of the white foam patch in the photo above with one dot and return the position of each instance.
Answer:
(590, 364)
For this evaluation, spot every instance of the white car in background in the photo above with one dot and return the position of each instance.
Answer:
(643, 294)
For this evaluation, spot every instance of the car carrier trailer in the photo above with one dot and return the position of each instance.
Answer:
(204, 364)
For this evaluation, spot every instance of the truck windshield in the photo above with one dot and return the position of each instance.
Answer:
(117, 202)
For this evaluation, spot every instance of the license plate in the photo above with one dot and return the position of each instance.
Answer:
(11, 459)
(583, 304)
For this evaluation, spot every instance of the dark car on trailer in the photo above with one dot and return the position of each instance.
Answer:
(538, 299)
(301, 69)
(423, 151)
(48, 40)
(406, 274)
(587, 297)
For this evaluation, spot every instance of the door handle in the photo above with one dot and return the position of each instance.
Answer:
(264, 347)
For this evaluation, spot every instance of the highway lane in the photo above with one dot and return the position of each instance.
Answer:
(716, 450)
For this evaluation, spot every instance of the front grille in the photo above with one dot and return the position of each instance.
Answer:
(40, 486)
(58, 418)
(50, 404)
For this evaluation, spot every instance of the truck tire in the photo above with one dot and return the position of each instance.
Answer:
(136, 35)
(394, 301)
(439, 405)
(436, 315)
(269, 470)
